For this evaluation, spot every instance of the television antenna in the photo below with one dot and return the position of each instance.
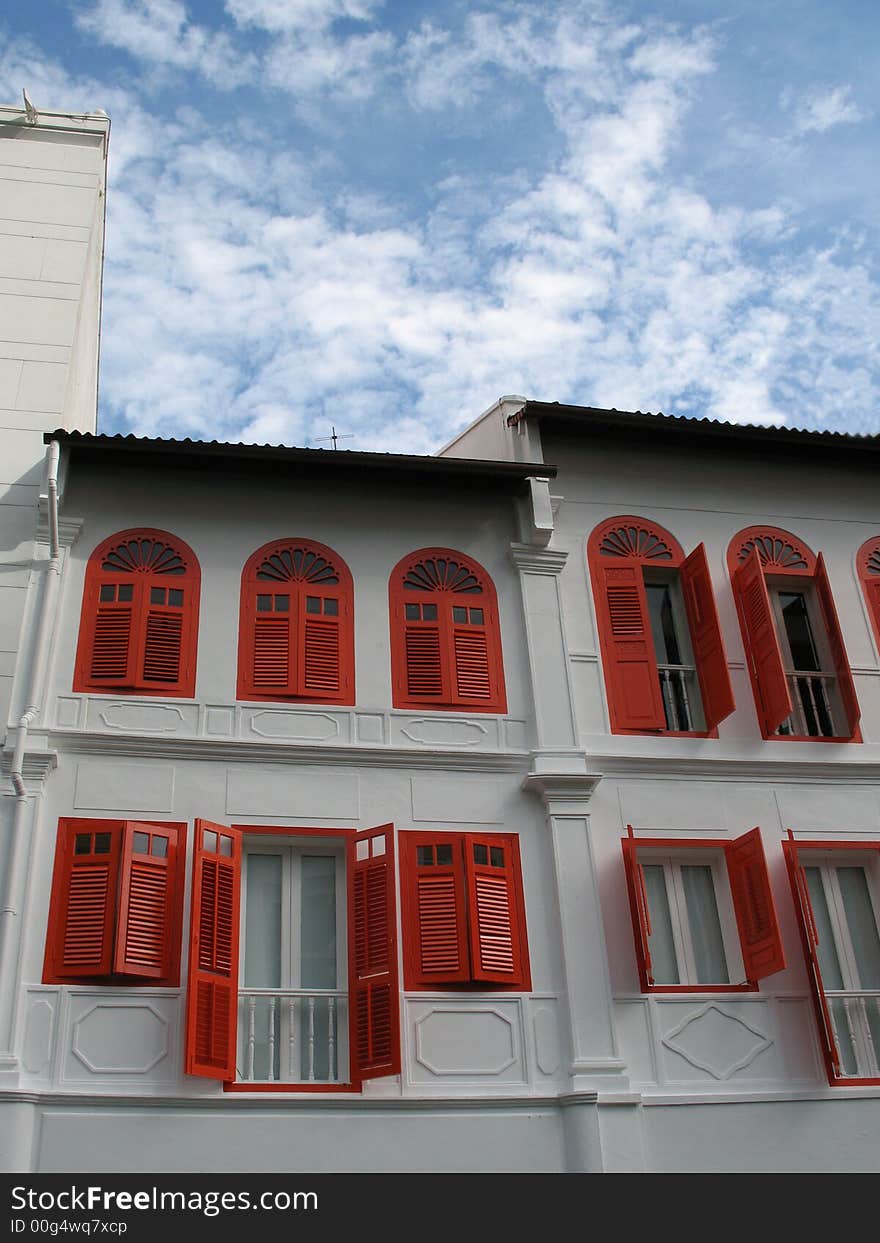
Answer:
(334, 436)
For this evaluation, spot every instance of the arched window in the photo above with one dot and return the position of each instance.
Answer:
(664, 661)
(140, 616)
(445, 637)
(794, 646)
(296, 638)
(868, 563)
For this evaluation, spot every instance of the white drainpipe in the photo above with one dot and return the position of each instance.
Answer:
(11, 883)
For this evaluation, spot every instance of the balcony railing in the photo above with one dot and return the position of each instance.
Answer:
(855, 1018)
(812, 715)
(292, 1035)
(677, 683)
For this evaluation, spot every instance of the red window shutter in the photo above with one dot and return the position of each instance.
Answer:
(631, 677)
(424, 669)
(762, 644)
(470, 651)
(810, 939)
(753, 905)
(872, 595)
(162, 646)
(372, 955)
(495, 909)
(145, 924)
(845, 683)
(270, 667)
(638, 905)
(435, 917)
(711, 660)
(111, 656)
(320, 662)
(212, 998)
(82, 938)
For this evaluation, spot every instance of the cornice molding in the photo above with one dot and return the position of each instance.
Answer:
(68, 528)
(674, 768)
(531, 560)
(36, 766)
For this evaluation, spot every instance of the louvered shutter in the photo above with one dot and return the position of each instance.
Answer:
(271, 653)
(472, 672)
(161, 644)
(810, 939)
(320, 658)
(83, 935)
(845, 683)
(494, 909)
(372, 956)
(753, 905)
(110, 658)
(423, 661)
(212, 997)
(435, 911)
(631, 677)
(638, 906)
(146, 900)
(699, 601)
(872, 595)
(762, 644)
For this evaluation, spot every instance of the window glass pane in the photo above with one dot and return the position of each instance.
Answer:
(82, 844)
(425, 856)
(444, 854)
(175, 597)
(209, 841)
(159, 848)
(660, 942)
(282, 604)
(496, 856)
(663, 624)
(313, 604)
(378, 844)
(226, 846)
(141, 843)
(102, 843)
(413, 612)
(429, 612)
(125, 591)
(331, 608)
(264, 604)
(829, 963)
(157, 595)
(362, 850)
(797, 629)
(262, 956)
(318, 929)
(108, 591)
(481, 853)
(476, 616)
(459, 614)
(705, 926)
(862, 924)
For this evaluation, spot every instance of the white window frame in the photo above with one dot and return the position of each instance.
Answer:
(778, 585)
(657, 576)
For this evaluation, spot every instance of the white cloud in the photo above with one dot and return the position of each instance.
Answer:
(285, 15)
(823, 109)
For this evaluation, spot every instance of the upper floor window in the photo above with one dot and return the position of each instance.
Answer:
(868, 563)
(445, 639)
(296, 640)
(139, 626)
(664, 661)
(797, 660)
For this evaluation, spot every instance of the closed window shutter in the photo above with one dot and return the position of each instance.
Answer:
(470, 649)
(845, 683)
(145, 925)
(111, 656)
(711, 660)
(631, 677)
(753, 905)
(638, 906)
(495, 909)
(163, 642)
(320, 662)
(373, 981)
(424, 669)
(762, 644)
(83, 937)
(271, 655)
(810, 939)
(435, 912)
(212, 997)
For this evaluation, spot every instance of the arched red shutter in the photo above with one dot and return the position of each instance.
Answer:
(423, 668)
(320, 656)
(162, 640)
(111, 652)
(711, 659)
(148, 871)
(471, 662)
(212, 997)
(434, 909)
(638, 905)
(372, 955)
(845, 683)
(270, 654)
(494, 913)
(753, 905)
(631, 677)
(762, 644)
(82, 938)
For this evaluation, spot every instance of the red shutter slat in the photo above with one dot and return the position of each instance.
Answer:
(271, 653)
(424, 673)
(753, 905)
(145, 925)
(638, 906)
(373, 984)
(845, 683)
(162, 647)
(111, 645)
(494, 911)
(631, 677)
(471, 655)
(711, 661)
(321, 656)
(212, 1000)
(773, 701)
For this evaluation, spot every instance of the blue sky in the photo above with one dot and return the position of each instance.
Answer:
(383, 216)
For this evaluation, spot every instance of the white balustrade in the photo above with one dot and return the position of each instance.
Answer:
(291, 1035)
(812, 715)
(855, 1020)
(675, 683)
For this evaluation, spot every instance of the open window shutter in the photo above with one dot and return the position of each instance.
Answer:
(872, 595)
(320, 664)
(111, 655)
(845, 683)
(699, 601)
(631, 677)
(638, 905)
(762, 644)
(146, 900)
(372, 955)
(435, 913)
(470, 654)
(423, 661)
(753, 905)
(161, 643)
(494, 909)
(83, 936)
(212, 998)
(809, 938)
(271, 654)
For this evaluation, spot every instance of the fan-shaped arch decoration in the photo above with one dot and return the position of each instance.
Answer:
(870, 557)
(779, 551)
(144, 556)
(636, 542)
(868, 566)
(442, 574)
(298, 564)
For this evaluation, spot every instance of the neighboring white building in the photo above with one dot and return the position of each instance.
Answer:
(319, 767)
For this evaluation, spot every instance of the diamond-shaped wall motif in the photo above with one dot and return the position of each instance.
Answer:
(717, 1042)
